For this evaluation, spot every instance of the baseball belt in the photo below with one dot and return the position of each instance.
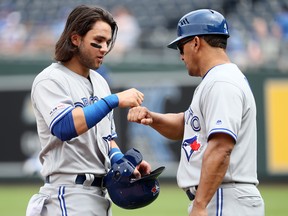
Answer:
(81, 178)
(191, 196)
(98, 181)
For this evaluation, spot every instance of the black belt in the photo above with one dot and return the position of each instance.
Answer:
(190, 195)
(80, 179)
(98, 181)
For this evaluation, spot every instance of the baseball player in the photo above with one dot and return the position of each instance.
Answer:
(73, 106)
(217, 168)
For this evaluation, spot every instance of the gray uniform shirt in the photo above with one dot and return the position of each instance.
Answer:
(56, 91)
(223, 102)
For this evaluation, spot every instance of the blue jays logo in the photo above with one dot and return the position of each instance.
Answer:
(225, 28)
(190, 145)
(155, 190)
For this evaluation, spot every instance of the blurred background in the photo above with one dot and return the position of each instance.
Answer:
(258, 28)
(258, 43)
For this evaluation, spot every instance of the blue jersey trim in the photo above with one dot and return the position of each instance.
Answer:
(114, 135)
(223, 130)
(210, 70)
(59, 117)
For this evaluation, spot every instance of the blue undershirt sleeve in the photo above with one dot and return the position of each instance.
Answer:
(64, 129)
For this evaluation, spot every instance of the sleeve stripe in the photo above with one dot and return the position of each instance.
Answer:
(223, 130)
(114, 135)
(58, 117)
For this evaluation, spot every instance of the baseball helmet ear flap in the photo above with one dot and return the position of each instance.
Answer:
(200, 22)
(127, 192)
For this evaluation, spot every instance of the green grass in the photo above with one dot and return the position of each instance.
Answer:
(276, 199)
(171, 201)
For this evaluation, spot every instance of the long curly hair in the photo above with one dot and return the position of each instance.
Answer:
(80, 21)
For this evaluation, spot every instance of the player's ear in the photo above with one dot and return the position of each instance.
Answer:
(196, 43)
(75, 39)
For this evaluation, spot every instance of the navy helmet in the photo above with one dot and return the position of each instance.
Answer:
(200, 22)
(127, 192)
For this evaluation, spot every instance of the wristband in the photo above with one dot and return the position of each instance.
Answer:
(115, 154)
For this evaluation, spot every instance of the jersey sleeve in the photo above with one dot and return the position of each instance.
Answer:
(222, 109)
(52, 101)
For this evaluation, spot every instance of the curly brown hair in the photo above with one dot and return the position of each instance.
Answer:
(80, 21)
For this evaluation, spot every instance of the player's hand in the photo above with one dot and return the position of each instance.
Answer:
(144, 168)
(198, 211)
(140, 115)
(130, 98)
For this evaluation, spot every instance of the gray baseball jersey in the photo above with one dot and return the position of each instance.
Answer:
(223, 102)
(56, 91)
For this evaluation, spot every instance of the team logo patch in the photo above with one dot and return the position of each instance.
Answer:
(190, 145)
(155, 189)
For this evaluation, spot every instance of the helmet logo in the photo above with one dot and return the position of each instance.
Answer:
(225, 28)
(155, 189)
(184, 22)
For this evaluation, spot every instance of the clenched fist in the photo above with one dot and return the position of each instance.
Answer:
(140, 115)
(130, 98)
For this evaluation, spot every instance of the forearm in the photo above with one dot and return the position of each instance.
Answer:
(113, 144)
(80, 120)
(115, 153)
(212, 174)
(214, 166)
(169, 125)
(87, 117)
